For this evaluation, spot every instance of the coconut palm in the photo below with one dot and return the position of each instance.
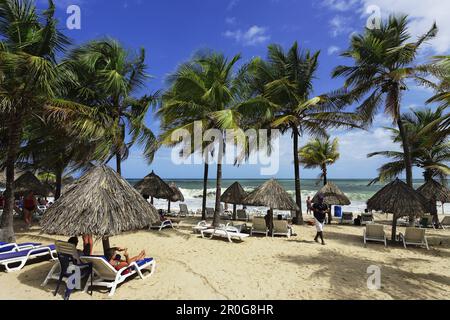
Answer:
(430, 148)
(205, 92)
(31, 79)
(383, 61)
(320, 153)
(282, 99)
(110, 78)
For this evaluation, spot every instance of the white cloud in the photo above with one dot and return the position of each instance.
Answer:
(230, 20)
(253, 36)
(333, 49)
(339, 5)
(339, 25)
(232, 4)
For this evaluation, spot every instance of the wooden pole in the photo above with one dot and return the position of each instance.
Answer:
(234, 212)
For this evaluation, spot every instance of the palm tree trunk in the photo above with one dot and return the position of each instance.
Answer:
(205, 188)
(58, 184)
(394, 228)
(119, 163)
(13, 144)
(324, 171)
(406, 152)
(216, 221)
(298, 194)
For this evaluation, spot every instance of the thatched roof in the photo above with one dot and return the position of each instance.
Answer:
(29, 182)
(400, 199)
(332, 195)
(100, 203)
(235, 194)
(17, 174)
(433, 189)
(177, 195)
(271, 194)
(155, 187)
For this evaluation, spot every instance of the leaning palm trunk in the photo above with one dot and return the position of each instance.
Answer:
(216, 221)
(205, 186)
(14, 135)
(58, 183)
(298, 194)
(324, 173)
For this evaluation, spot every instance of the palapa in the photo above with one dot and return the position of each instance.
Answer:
(154, 187)
(29, 182)
(400, 200)
(102, 204)
(234, 195)
(272, 195)
(177, 195)
(332, 196)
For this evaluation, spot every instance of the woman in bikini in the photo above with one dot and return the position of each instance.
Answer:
(116, 260)
(29, 207)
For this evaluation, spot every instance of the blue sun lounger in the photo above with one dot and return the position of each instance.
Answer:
(14, 261)
(14, 247)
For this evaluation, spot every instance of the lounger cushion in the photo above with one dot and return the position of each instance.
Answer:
(9, 247)
(24, 253)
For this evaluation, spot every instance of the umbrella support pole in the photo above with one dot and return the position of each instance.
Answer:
(106, 245)
(234, 212)
(394, 229)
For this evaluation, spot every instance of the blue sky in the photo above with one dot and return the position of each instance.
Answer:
(172, 30)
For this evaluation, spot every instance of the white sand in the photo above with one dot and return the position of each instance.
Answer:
(189, 267)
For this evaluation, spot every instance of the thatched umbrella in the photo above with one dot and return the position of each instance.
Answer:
(399, 199)
(272, 195)
(17, 174)
(177, 195)
(235, 195)
(154, 187)
(28, 182)
(434, 191)
(102, 204)
(332, 196)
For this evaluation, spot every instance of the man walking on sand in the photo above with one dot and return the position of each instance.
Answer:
(320, 210)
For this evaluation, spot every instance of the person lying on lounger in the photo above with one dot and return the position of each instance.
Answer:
(115, 259)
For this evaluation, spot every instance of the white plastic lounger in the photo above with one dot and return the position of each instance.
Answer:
(106, 276)
(202, 225)
(163, 225)
(414, 236)
(347, 218)
(281, 228)
(259, 226)
(14, 247)
(374, 232)
(20, 258)
(225, 232)
(242, 215)
(445, 223)
(184, 211)
(210, 213)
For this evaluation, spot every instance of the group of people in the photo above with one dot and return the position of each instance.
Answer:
(113, 255)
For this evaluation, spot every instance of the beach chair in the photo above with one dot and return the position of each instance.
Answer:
(281, 228)
(229, 233)
(104, 274)
(202, 225)
(445, 223)
(210, 213)
(414, 236)
(347, 218)
(367, 218)
(14, 261)
(259, 226)
(240, 226)
(242, 215)
(427, 222)
(184, 212)
(162, 225)
(14, 247)
(375, 232)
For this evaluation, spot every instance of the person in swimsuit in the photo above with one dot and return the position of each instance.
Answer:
(88, 244)
(29, 207)
(116, 260)
(309, 204)
(320, 210)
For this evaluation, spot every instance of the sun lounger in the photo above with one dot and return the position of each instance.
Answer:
(367, 218)
(105, 275)
(259, 226)
(164, 224)
(225, 232)
(445, 223)
(14, 247)
(202, 225)
(242, 215)
(281, 228)
(184, 212)
(414, 236)
(375, 232)
(210, 213)
(347, 218)
(240, 226)
(426, 221)
(14, 261)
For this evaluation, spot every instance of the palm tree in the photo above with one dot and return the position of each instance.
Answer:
(282, 87)
(320, 153)
(110, 76)
(31, 80)
(205, 92)
(383, 61)
(430, 148)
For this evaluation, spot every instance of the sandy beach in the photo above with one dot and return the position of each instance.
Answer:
(189, 267)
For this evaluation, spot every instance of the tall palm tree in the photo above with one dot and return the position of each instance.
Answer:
(383, 61)
(320, 153)
(282, 90)
(110, 78)
(31, 80)
(204, 91)
(430, 148)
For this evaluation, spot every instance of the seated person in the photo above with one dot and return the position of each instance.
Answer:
(74, 241)
(116, 260)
